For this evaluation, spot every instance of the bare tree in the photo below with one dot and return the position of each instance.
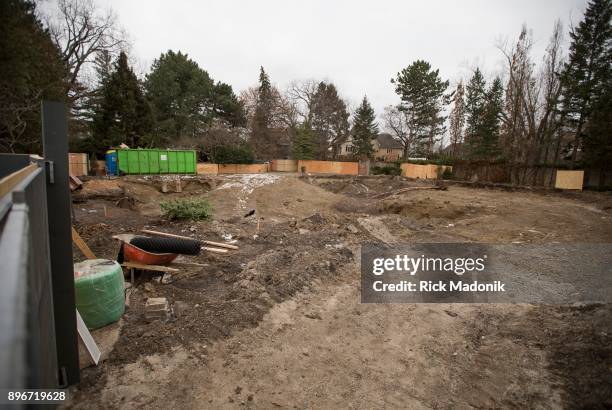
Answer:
(284, 114)
(80, 31)
(396, 122)
(531, 120)
(14, 112)
(302, 94)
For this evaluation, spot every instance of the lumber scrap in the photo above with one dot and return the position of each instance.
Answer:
(88, 340)
(215, 250)
(157, 268)
(168, 235)
(74, 182)
(220, 244)
(10, 181)
(80, 243)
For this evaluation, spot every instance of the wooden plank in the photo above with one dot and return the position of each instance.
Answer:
(215, 250)
(220, 244)
(88, 340)
(168, 235)
(157, 268)
(80, 243)
(10, 181)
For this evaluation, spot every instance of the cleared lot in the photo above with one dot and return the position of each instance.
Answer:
(279, 324)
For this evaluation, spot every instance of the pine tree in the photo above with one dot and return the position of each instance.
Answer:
(328, 117)
(304, 142)
(476, 99)
(365, 129)
(587, 70)
(598, 141)
(261, 137)
(484, 109)
(124, 115)
(491, 122)
(457, 119)
(423, 100)
(31, 69)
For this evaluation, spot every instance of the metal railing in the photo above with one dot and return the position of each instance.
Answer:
(38, 337)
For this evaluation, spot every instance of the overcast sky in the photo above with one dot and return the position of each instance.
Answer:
(359, 45)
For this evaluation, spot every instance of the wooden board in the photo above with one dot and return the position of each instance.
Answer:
(157, 268)
(88, 341)
(10, 181)
(80, 243)
(569, 179)
(168, 235)
(220, 244)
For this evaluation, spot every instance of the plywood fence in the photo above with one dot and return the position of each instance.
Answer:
(328, 167)
(243, 168)
(569, 179)
(207, 169)
(78, 164)
(429, 171)
(284, 165)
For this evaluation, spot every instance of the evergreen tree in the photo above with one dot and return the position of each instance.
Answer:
(185, 99)
(124, 115)
(587, 71)
(328, 117)
(598, 141)
(484, 108)
(304, 142)
(476, 100)
(31, 69)
(491, 122)
(261, 137)
(423, 100)
(457, 119)
(365, 129)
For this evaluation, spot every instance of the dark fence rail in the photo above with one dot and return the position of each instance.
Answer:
(38, 337)
(26, 301)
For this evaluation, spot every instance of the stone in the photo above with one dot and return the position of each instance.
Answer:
(352, 228)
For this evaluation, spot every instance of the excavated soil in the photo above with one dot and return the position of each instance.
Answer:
(278, 323)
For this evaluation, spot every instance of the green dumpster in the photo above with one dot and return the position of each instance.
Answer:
(156, 161)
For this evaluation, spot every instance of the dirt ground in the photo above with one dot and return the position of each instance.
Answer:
(279, 323)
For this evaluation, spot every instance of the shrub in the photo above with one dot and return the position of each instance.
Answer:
(447, 174)
(392, 169)
(187, 208)
(232, 154)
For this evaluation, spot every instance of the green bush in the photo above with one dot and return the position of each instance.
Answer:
(438, 161)
(232, 154)
(187, 208)
(392, 169)
(447, 174)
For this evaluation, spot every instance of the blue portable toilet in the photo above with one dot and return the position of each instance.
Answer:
(111, 163)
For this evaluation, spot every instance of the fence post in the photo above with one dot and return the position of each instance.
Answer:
(55, 143)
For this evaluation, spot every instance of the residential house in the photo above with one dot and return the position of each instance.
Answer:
(386, 148)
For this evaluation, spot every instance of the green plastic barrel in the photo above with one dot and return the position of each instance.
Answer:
(99, 291)
(156, 161)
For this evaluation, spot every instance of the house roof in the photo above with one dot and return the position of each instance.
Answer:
(387, 141)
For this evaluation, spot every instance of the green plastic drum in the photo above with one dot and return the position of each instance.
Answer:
(99, 290)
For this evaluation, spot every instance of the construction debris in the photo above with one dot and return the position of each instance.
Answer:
(156, 308)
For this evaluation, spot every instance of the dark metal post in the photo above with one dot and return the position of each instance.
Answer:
(55, 143)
